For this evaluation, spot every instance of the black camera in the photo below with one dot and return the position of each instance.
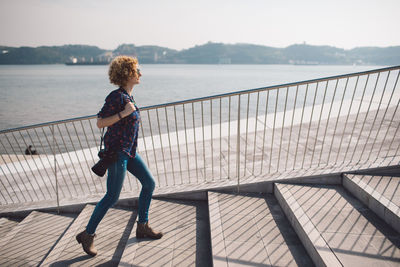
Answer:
(107, 157)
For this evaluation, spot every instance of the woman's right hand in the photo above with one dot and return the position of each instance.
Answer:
(129, 108)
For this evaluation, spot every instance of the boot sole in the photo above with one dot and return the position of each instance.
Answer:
(148, 236)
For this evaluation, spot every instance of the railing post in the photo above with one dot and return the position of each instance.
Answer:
(55, 169)
(238, 146)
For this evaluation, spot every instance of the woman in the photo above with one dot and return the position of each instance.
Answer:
(121, 115)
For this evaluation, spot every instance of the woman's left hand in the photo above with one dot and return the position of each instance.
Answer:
(129, 108)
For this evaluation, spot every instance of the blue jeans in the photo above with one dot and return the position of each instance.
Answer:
(115, 179)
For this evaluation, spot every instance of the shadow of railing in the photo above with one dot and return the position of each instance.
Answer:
(348, 227)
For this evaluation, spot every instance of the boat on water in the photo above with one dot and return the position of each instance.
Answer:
(86, 63)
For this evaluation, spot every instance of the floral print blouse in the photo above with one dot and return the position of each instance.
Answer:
(122, 135)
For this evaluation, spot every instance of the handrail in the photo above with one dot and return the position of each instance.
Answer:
(272, 87)
(47, 124)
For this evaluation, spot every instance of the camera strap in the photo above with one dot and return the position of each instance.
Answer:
(102, 138)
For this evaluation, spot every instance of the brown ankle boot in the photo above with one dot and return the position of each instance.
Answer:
(144, 230)
(87, 243)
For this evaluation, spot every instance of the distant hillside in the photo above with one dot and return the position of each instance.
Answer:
(210, 53)
(48, 54)
(146, 54)
(376, 55)
(218, 53)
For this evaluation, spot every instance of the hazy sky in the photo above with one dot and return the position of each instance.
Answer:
(181, 24)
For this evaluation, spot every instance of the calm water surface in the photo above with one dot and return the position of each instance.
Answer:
(32, 94)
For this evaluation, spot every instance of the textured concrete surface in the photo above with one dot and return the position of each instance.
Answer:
(185, 241)
(355, 234)
(379, 193)
(311, 238)
(112, 234)
(251, 230)
(233, 229)
(387, 186)
(29, 242)
(6, 225)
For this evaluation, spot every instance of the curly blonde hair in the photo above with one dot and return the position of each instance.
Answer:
(121, 69)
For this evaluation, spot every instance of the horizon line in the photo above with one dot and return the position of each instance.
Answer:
(209, 42)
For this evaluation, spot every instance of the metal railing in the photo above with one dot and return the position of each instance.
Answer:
(338, 120)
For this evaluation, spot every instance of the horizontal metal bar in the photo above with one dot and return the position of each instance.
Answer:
(40, 125)
(272, 87)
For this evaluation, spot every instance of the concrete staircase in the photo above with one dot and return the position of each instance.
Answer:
(353, 221)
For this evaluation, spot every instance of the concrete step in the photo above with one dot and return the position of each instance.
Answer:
(6, 225)
(112, 235)
(29, 242)
(393, 170)
(336, 228)
(186, 240)
(379, 193)
(252, 230)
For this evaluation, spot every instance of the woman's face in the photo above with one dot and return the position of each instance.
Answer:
(135, 79)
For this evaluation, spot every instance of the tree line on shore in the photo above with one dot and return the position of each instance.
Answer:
(209, 53)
